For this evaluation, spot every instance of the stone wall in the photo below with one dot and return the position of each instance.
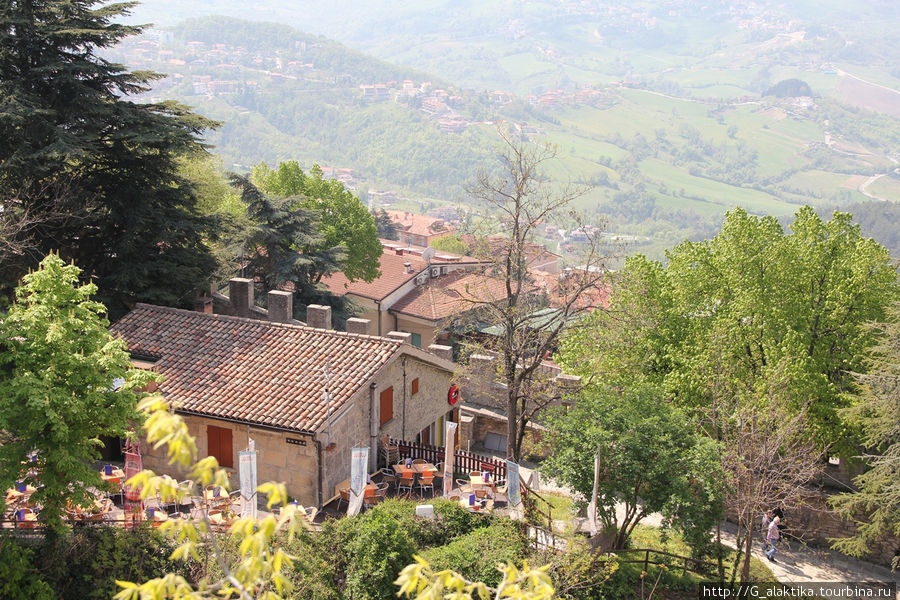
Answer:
(422, 408)
(813, 522)
(277, 460)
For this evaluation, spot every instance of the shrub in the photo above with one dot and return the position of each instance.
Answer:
(19, 580)
(476, 555)
(86, 562)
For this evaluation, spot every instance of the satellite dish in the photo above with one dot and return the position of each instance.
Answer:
(428, 254)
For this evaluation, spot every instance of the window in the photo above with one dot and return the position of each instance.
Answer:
(386, 409)
(417, 340)
(220, 445)
(414, 386)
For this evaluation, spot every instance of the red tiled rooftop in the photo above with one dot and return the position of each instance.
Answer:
(418, 224)
(393, 275)
(450, 294)
(249, 370)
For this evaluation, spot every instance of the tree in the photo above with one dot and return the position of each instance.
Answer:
(65, 116)
(345, 221)
(64, 382)
(285, 246)
(517, 204)
(386, 227)
(756, 302)
(450, 243)
(878, 414)
(652, 459)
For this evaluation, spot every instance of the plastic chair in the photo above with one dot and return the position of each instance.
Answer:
(388, 476)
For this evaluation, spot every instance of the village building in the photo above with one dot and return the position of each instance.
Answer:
(418, 230)
(403, 271)
(305, 395)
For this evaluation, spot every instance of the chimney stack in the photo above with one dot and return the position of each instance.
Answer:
(318, 316)
(408, 267)
(281, 306)
(240, 293)
(203, 304)
(445, 352)
(355, 325)
(405, 338)
(399, 251)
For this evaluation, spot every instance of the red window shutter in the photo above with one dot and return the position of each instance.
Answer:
(220, 445)
(415, 386)
(387, 405)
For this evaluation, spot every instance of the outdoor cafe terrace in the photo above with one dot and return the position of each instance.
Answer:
(414, 472)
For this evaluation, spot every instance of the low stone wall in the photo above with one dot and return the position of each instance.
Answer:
(816, 524)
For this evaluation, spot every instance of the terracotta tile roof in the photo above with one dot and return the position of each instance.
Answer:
(450, 294)
(393, 275)
(252, 371)
(418, 224)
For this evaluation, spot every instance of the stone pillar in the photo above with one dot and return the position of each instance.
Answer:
(445, 352)
(404, 337)
(318, 316)
(356, 325)
(281, 306)
(240, 293)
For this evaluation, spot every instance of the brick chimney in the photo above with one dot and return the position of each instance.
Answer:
(355, 325)
(281, 306)
(318, 316)
(240, 293)
(203, 304)
(399, 251)
(407, 266)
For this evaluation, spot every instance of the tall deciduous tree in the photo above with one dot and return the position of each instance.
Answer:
(345, 221)
(517, 204)
(757, 301)
(876, 506)
(652, 459)
(65, 116)
(64, 382)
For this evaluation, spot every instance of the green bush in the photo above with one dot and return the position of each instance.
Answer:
(85, 563)
(476, 555)
(19, 580)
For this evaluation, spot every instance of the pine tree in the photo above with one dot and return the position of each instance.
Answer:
(68, 129)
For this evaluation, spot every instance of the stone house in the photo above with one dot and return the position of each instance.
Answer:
(233, 378)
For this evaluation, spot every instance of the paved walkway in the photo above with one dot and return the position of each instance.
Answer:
(793, 563)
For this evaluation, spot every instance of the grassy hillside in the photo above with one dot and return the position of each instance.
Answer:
(661, 113)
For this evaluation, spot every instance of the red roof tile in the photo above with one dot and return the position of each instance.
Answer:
(450, 294)
(393, 275)
(249, 370)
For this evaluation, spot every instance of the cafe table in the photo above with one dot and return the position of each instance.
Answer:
(477, 481)
(115, 477)
(418, 469)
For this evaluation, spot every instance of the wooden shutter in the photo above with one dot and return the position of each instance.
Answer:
(415, 386)
(387, 405)
(220, 445)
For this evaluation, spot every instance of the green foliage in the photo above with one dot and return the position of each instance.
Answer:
(285, 246)
(19, 579)
(451, 243)
(86, 562)
(58, 366)
(876, 506)
(476, 555)
(789, 88)
(344, 220)
(98, 172)
(652, 459)
(385, 225)
(731, 315)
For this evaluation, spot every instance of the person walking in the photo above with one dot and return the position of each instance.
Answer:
(772, 538)
(766, 520)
